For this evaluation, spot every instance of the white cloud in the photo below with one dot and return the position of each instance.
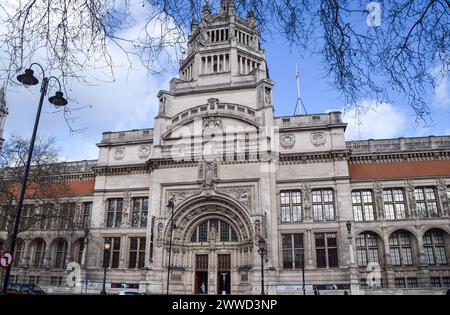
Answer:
(374, 121)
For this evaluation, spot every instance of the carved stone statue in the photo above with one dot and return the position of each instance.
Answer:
(267, 96)
(378, 192)
(409, 188)
(307, 200)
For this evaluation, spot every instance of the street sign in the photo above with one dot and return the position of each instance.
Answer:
(6, 259)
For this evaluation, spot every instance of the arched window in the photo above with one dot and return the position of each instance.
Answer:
(367, 248)
(60, 253)
(434, 246)
(217, 229)
(401, 249)
(39, 252)
(18, 250)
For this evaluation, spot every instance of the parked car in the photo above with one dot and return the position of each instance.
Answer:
(131, 292)
(24, 289)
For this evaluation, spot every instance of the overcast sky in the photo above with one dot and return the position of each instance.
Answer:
(130, 103)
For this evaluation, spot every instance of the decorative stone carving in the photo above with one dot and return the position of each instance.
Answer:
(208, 173)
(144, 151)
(159, 235)
(126, 207)
(119, 153)
(307, 200)
(257, 229)
(409, 188)
(179, 196)
(443, 195)
(212, 125)
(241, 194)
(287, 141)
(318, 139)
(378, 195)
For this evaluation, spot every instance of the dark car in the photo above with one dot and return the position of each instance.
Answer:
(24, 289)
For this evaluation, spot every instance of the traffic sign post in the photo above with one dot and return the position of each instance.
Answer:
(6, 259)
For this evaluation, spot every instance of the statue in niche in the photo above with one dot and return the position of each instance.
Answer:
(213, 233)
(208, 172)
(162, 105)
(267, 96)
(257, 228)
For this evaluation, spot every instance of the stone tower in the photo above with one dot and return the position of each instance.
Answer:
(3, 114)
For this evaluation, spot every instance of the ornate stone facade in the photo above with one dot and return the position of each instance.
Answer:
(366, 216)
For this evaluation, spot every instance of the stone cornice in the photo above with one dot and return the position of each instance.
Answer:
(121, 169)
(314, 157)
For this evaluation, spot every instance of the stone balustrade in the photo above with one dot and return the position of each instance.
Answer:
(399, 144)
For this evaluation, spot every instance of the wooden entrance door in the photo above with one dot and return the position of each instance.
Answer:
(201, 274)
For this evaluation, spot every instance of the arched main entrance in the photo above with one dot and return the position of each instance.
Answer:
(212, 245)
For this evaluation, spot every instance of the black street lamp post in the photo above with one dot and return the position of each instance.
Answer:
(262, 251)
(58, 100)
(303, 272)
(171, 206)
(107, 248)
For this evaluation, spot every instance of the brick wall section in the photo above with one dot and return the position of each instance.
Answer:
(399, 170)
(82, 187)
(70, 189)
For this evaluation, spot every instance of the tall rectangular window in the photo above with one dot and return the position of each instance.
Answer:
(323, 204)
(426, 202)
(140, 212)
(46, 221)
(67, 216)
(293, 250)
(111, 257)
(326, 250)
(291, 206)
(114, 212)
(394, 204)
(363, 207)
(136, 258)
(86, 215)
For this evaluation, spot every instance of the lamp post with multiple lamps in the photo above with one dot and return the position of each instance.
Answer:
(171, 206)
(107, 248)
(57, 100)
(262, 251)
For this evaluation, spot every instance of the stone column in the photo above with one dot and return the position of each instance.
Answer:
(388, 264)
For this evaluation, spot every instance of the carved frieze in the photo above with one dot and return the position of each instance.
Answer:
(178, 196)
(241, 194)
